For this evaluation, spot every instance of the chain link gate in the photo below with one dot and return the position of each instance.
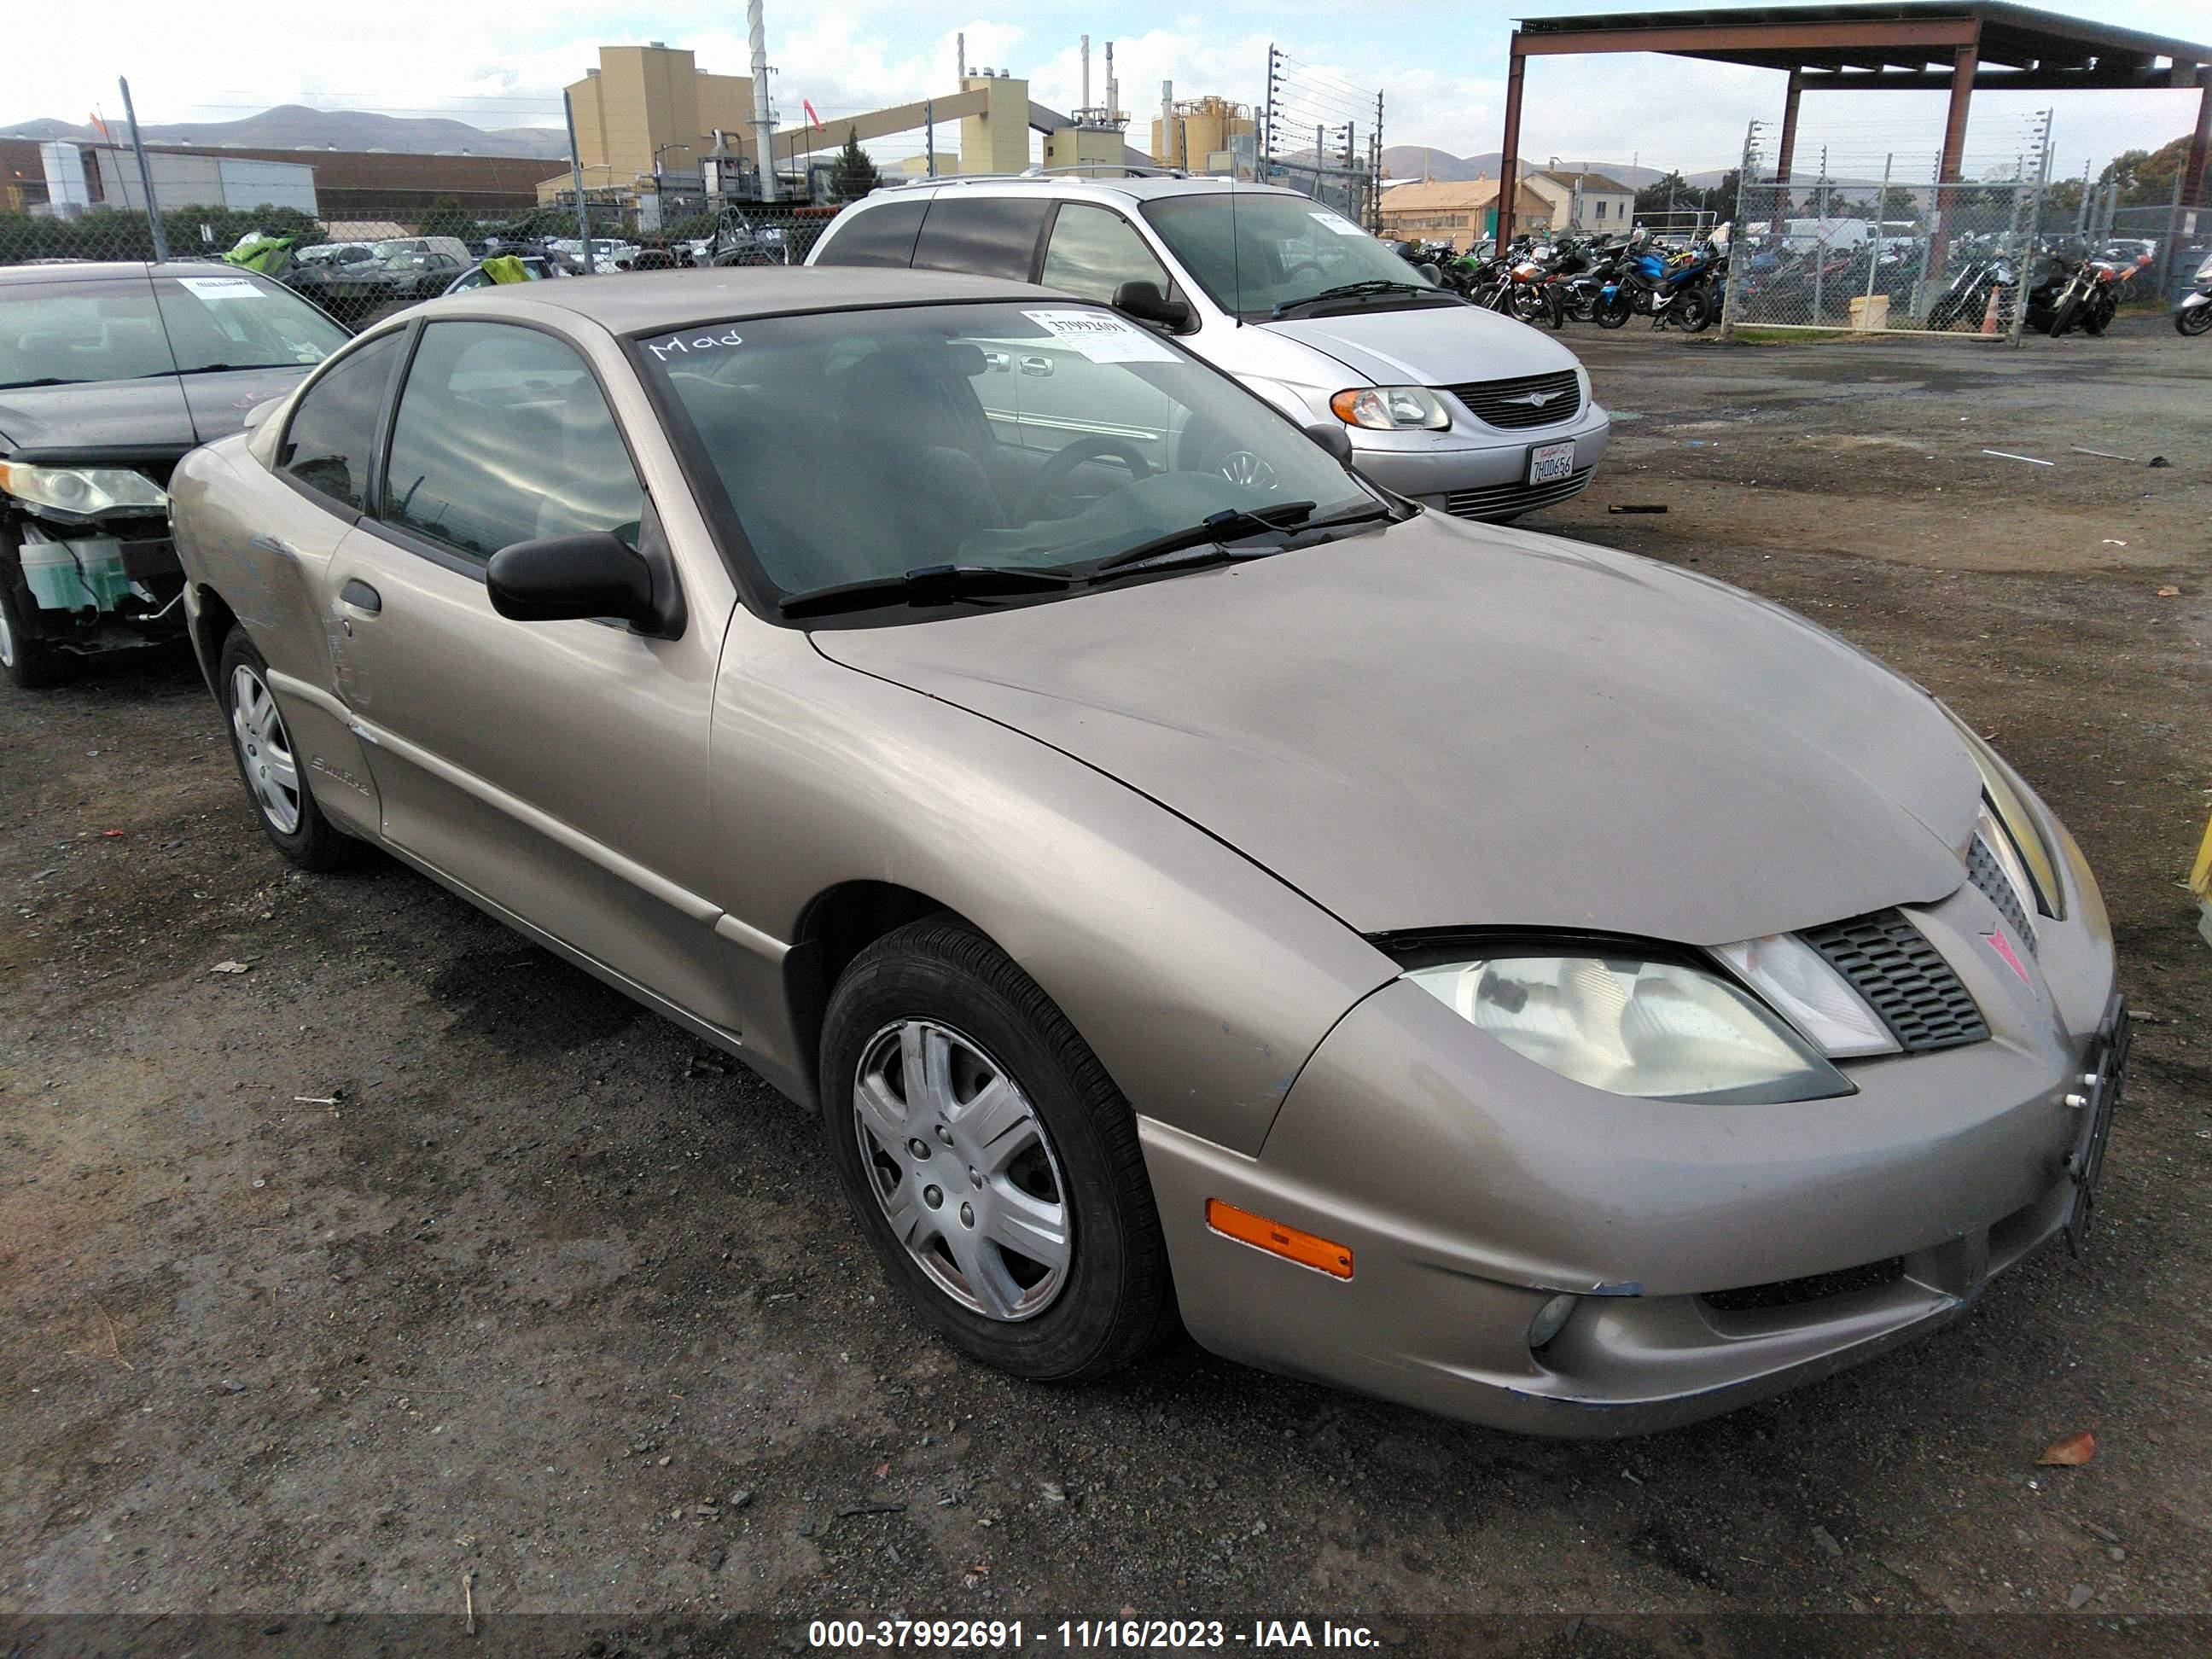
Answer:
(1870, 239)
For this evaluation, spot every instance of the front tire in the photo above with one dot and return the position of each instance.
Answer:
(989, 1159)
(1694, 311)
(274, 773)
(30, 663)
(1614, 310)
(2196, 320)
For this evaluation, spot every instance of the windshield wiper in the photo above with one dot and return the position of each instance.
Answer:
(1376, 286)
(933, 584)
(1214, 528)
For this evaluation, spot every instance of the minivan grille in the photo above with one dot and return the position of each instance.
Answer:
(1986, 873)
(1531, 400)
(1904, 978)
(1507, 500)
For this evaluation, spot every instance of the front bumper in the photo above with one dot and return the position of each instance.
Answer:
(1475, 471)
(1718, 1255)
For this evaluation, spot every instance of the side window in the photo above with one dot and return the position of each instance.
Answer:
(987, 237)
(1094, 251)
(881, 236)
(327, 445)
(502, 437)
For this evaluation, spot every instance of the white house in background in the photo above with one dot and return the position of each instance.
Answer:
(1585, 201)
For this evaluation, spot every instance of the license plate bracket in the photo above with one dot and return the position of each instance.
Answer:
(1551, 463)
(2087, 1162)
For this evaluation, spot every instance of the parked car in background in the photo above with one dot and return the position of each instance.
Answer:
(108, 373)
(1457, 407)
(1498, 974)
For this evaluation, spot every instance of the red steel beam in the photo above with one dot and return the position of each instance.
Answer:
(1955, 151)
(1787, 158)
(1754, 37)
(1509, 164)
(2192, 169)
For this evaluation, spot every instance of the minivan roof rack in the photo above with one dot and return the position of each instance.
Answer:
(1088, 169)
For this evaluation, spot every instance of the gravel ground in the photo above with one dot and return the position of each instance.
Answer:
(411, 1254)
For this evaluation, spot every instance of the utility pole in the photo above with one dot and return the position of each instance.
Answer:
(764, 116)
(929, 141)
(145, 178)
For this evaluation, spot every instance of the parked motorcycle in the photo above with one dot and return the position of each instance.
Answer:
(1668, 292)
(2092, 293)
(2194, 314)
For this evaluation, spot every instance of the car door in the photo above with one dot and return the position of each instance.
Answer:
(556, 770)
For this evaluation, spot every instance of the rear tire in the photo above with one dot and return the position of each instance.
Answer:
(1693, 310)
(1049, 1160)
(30, 663)
(272, 769)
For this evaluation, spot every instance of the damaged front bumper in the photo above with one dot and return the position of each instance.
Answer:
(100, 587)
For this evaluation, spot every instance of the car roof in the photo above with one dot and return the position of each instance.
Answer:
(115, 271)
(1138, 188)
(643, 302)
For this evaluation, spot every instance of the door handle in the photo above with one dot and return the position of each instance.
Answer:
(360, 596)
(996, 361)
(1036, 366)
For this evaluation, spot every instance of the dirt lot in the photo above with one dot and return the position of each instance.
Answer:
(411, 1253)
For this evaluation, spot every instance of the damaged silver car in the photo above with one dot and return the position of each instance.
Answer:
(108, 373)
(1497, 974)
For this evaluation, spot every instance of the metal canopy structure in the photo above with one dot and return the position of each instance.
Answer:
(1909, 46)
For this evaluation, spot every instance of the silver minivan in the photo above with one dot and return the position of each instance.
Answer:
(1457, 407)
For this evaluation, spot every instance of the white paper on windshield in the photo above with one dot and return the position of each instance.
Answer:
(1337, 222)
(221, 288)
(1101, 337)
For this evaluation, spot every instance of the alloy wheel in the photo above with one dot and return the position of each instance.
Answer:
(265, 750)
(961, 1164)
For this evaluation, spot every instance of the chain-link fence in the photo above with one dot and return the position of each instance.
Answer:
(1869, 240)
(324, 227)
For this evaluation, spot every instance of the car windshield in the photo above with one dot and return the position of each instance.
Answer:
(860, 446)
(1257, 253)
(70, 333)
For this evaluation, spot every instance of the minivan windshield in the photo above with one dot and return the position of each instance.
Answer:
(65, 333)
(1261, 255)
(865, 446)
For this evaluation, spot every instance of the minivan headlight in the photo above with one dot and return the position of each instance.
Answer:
(81, 490)
(1657, 1030)
(1390, 408)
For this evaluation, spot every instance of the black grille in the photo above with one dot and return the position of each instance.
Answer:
(1890, 962)
(1818, 1287)
(1505, 500)
(1550, 398)
(1986, 873)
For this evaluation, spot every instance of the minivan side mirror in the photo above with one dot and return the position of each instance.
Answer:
(1332, 436)
(1141, 299)
(581, 578)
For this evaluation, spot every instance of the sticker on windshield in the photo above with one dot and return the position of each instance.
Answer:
(682, 345)
(1337, 222)
(221, 288)
(1101, 336)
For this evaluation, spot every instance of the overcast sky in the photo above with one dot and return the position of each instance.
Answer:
(1439, 62)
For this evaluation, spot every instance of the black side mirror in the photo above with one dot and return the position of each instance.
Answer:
(1333, 438)
(579, 578)
(1142, 299)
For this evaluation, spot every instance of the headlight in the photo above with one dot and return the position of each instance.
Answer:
(87, 490)
(2204, 272)
(1390, 408)
(1659, 1031)
(2008, 828)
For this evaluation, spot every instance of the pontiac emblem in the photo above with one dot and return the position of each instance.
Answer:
(2002, 946)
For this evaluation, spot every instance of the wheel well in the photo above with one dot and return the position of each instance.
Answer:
(836, 927)
(210, 627)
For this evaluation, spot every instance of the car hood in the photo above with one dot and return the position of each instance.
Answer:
(164, 412)
(1429, 345)
(1447, 725)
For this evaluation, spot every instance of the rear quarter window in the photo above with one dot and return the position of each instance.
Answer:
(984, 237)
(879, 236)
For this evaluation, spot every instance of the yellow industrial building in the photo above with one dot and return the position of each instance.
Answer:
(1202, 134)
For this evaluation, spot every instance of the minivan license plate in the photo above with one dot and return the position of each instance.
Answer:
(1550, 462)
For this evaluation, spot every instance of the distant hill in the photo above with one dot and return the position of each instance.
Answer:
(295, 126)
(1407, 160)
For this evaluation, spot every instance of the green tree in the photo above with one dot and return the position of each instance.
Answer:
(1674, 191)
(446, 216)
(854, 175)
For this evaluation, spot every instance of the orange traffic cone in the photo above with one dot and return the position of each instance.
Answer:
(1990, 312)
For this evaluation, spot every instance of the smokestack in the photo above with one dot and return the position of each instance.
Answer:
(1113, 92)
(763, 117)
(963, 49)
(1166, 157)
(1086, 71)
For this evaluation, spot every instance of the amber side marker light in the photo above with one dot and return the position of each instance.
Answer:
(1307, 1250)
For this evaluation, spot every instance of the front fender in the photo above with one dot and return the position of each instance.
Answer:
(1202, 982)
